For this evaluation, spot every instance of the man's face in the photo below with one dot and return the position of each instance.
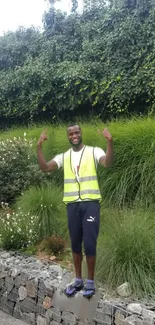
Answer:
(74, 135)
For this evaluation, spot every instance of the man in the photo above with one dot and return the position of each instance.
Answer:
(82, 197)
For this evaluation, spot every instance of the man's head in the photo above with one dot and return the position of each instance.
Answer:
(74, 134)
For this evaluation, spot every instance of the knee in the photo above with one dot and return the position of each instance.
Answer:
(90, 249)
(76, 246)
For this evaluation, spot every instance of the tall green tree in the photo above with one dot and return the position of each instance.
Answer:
(16, 47)
(74, 6)
(98, 62)
(144, 5)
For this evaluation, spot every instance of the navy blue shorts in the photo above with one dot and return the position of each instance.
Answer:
(83, 224)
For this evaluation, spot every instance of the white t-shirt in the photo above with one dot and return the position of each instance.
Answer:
(76, 156)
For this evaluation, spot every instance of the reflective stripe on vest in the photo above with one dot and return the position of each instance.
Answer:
(81, 179)
(86, 187)
(82, 192)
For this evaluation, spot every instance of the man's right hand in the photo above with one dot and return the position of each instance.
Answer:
(42, 138)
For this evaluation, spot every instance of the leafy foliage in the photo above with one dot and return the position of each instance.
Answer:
(18, 167)
(100, 61)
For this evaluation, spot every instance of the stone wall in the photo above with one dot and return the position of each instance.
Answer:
(32, 291)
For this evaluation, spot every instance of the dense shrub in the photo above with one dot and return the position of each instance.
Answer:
(18, 167)
(53, 245)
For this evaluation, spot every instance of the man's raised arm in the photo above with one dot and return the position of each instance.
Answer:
(44, 165)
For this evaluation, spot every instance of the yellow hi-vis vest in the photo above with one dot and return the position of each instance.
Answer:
(86, 187)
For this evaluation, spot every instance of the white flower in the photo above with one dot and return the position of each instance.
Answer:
(24, 134)
(8, 216)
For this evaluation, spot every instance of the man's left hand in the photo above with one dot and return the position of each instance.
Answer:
(107, 134)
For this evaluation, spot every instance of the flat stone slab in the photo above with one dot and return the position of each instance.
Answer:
(6, 319)
(82, 308)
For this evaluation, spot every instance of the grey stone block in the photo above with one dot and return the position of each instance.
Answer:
(28, 305)
(5, 255)
(40, 309)
(41, 297)
(148, 313)
(3, 290)
(54, 323)
(56, 270)
(1, 283)
(101, 317)
(54, 314)
(14, 272)
(3, 274)
(5, 305)
(69, 318)
(32, 287)
(147, 321)
(134, 308)
(21, 279)
(119, 318)
(13, 295)
(42, 321)
(9, 282)
(22, 292)
(29, 318)
(106, 307)
(17, 312)
(6, 319)
(7, 308)
(133, 320)
(45, 288)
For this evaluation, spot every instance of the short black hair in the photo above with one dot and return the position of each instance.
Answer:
(73, 124)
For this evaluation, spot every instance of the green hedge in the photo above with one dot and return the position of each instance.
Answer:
(102, 62)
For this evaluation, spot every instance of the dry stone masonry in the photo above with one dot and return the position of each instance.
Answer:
(31, 290)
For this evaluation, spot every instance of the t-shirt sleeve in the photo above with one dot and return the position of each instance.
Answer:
(98, 153)
(59, 160)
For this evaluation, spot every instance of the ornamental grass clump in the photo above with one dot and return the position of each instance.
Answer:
(126, 250)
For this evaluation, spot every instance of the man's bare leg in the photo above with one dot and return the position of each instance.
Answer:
(91, 261)
(89, 288)
(77, 259)
(77, 285)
